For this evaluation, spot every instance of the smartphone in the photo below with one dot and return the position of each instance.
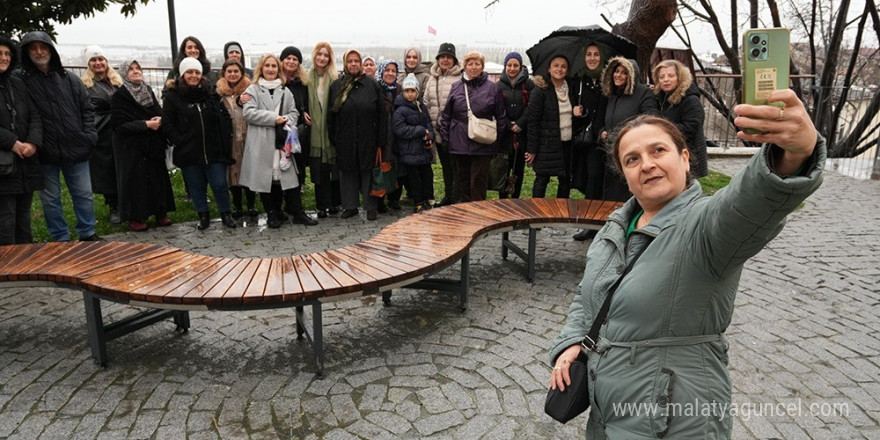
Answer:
(766, 58)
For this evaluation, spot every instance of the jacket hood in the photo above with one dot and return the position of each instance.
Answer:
(514, 82)
(455, 70)
(608, 76)
(226, 50)
(13, 63)
(685, 87)
(34, 36)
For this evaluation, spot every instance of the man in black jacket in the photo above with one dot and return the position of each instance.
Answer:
(69, 135)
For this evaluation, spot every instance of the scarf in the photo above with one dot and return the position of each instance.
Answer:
(381, 70)
(270, 84)
(348, 82)
(140, 91)
(405, 53)
(320, 138)
(596, 73)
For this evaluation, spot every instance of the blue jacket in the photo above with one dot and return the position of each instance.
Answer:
(408, 123)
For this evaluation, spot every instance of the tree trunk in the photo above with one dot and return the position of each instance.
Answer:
(646, 23)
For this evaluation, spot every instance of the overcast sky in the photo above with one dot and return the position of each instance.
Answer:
(273, 24)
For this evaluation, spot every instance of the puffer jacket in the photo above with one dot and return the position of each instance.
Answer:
(634, 99)
(683, 108)
(516, 93)
(544, 137)
(437, 93)
(68, 118)
(683, 288)
(197, 123)
(486, 103)
(409, 122)
(26, 127)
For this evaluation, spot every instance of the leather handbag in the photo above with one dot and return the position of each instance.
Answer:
(480, 130)
(499, 168)
(583, 137)
(384, 177)
(563, 406)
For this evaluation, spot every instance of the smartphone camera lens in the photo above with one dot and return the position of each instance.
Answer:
(756, 39)
(756, 52)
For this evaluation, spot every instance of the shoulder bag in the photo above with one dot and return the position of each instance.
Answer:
(483, 131)
(566, 405)
(584, 137)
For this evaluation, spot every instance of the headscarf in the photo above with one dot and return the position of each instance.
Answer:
(347, 81)
(140, 90)
(597, 72)
(405, 53)
(381, 70)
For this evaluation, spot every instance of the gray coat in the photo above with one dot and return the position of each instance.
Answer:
(259, 148)
(683, 286)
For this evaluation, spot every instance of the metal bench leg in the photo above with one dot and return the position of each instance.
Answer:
(300, 329)
(505, 236)
(181, 320)
(386, 297)
(95, 325)
(533, 239)
(465, 280)
(318, 339)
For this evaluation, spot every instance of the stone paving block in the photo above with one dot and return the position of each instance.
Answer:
(495, 377)
(360, 379)
(433, 400)
(439, 422)
(117, 434)
(475, 428)
(344, 408)
(394, 423)
(146, 424)
(407, 359)
(514, 402)
(412, 382)
(507, 429)
(464, 378)
(488, 401)
(373, 397)
(460, 363)
(171, 432)
(458, 396)
(319, 413)
(407, 410)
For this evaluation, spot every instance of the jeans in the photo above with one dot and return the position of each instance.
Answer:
(198, 177)
(79, 184)
(15, 218)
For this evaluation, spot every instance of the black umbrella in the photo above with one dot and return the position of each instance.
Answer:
(571, 42)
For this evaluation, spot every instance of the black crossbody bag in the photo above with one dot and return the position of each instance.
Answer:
(566, 405)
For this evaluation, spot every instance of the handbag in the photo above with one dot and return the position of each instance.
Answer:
(7, 163)
(384, 179)
(563, 406)
(480, 130)
(280, 132)
(585, 136)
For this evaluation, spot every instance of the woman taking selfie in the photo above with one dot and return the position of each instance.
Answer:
(662, 339)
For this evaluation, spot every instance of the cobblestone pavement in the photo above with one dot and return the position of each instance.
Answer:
(804, 354)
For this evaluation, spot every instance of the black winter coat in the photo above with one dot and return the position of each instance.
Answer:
(28, 127)
(62, 100)
(102, 166)
(409, 122)
(516, 100)
(143, 183)
(688, 115)
(197, 123)
(621, 108)
(359, 126)
(544, 137)
(301, 99)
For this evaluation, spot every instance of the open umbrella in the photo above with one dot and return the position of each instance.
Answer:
(571, 41)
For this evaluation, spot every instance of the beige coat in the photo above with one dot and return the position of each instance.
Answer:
(437, 93)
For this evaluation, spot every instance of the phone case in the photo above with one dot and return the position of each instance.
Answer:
(766, 58)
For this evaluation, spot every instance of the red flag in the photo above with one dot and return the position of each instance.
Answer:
(432, 31)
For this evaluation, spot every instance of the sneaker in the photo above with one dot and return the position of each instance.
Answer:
(137, 226)
(93, 237)
(164, 221)
(115, 219)
(348, 213)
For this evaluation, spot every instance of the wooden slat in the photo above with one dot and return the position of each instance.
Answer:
(375, 265)
(255, 291)
(350, 282)
(528, 205)
(22, 266)
(478, 211)
(394, 252)
(329, 285)
(354, 265)
(515, 205)
(274, 291)
(606, 210)
(563, 211)
(233, 294)
(123, 281)
(409, 246)
(15, 257)
(292, 289)
(194, 292)
(213, 296)
(307, 279)
(167, 276)
(61, 252)
(594, 209)
(181, 284)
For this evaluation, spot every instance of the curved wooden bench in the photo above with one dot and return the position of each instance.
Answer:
(171, 282)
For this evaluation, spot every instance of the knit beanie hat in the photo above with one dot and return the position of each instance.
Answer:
(91, 52)
(446, 49)
(513, 55)
(410, 82)
(189, 63)
(291, 50)
(232, 47)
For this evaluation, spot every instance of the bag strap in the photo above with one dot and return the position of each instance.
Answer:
(378, 156)
(466, 98)
(589, 341)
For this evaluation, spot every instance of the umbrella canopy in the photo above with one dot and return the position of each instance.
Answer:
(572, 41)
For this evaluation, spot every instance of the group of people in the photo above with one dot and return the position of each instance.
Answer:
(245, 132)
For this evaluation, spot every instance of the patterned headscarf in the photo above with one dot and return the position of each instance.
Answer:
(381, 70)
(140, 90)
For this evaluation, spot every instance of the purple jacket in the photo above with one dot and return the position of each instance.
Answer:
(487, 102)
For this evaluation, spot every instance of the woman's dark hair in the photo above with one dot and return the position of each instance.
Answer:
(232, 62)
(662, 123)
(203, 57)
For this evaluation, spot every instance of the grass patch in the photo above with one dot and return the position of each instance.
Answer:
(186, 212)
